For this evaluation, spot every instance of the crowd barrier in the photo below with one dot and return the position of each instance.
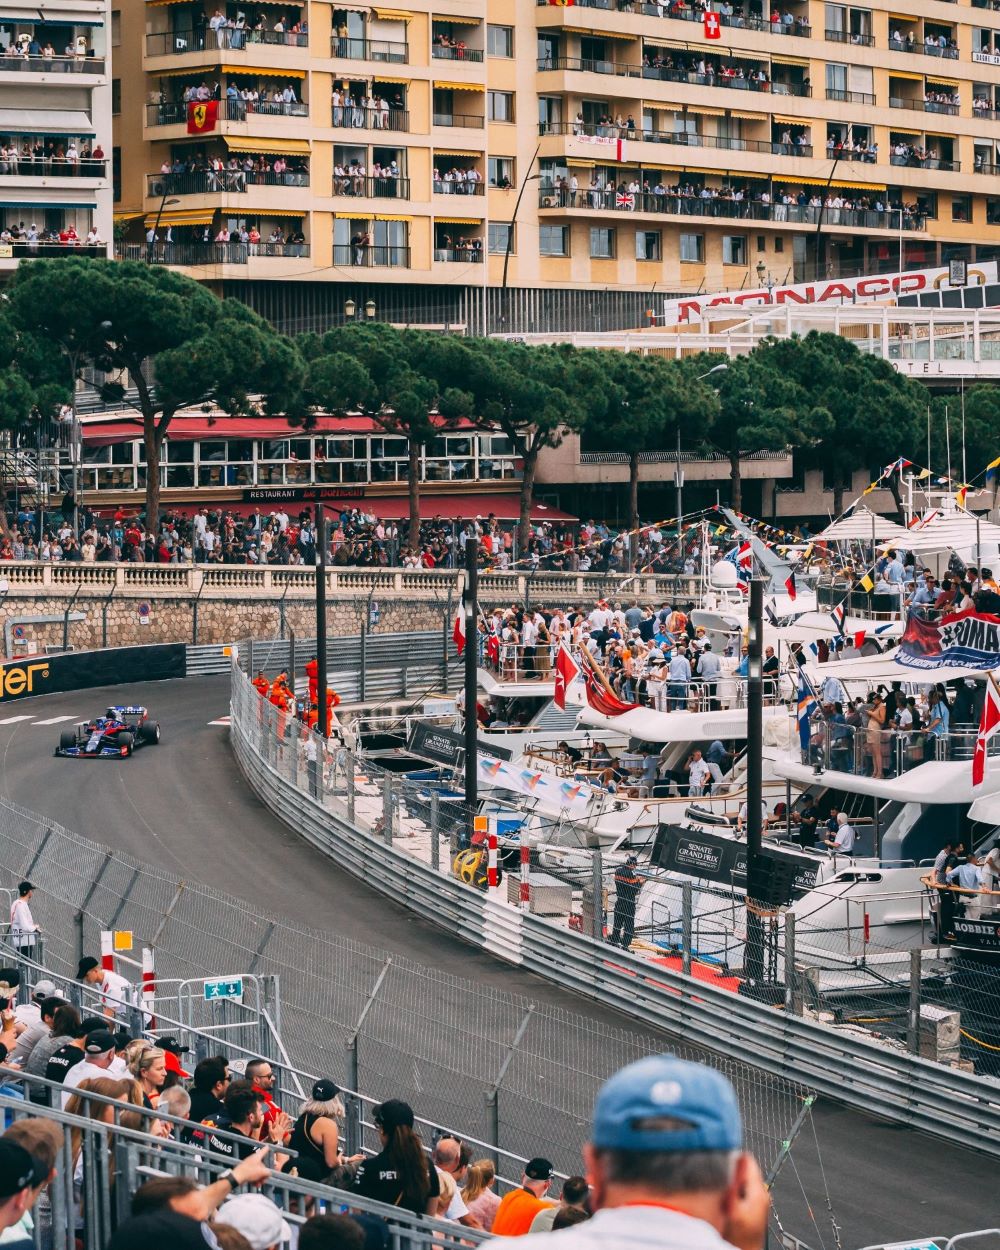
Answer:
(906, 1089)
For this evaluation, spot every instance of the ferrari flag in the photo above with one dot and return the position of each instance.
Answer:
(202, 116)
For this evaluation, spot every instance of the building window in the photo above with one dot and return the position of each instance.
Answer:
(116, 173)
(761, 243)
(779, 244)
(734, 249)
(116, 95)
(501, 235)
(647, 245)
(553, 240)
(500, 106)
(602, 243)
(501, 172)
(116, 28)
(961, 208)
(500, 41)
(693, 249)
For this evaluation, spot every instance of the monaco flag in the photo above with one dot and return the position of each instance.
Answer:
(713, 28)
(567, 671)
(458, 630)
(988, 725)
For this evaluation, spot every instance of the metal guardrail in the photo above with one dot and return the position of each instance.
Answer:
(905, 1089)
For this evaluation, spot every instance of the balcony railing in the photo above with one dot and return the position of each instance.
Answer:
(440, 187)
(354, 117)
(222, 181)
(664, 73)
(646, 8)
(850, 97)
(864, 156)
(459, 119)
(679, 139)
(368, 255)
(927, 49)
(985, 167)
(206, 253)
(923, 106)
(89, 64)
(847, 36)
(912, 161)
(474, 55)
(378, 187)
(612, 201)
(53, 249)
(30, 167)
(175, 112)
(370, 50)
(459, 255)
(185, 42)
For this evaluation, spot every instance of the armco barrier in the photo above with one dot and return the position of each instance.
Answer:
(957, 1106)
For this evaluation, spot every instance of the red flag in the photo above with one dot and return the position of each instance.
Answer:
(790, 586)
(859, 637)
(458, 631)
(604, 702)
(567, 670)
(713, 28)
(493, 648)
(202, 116)
(988, 726)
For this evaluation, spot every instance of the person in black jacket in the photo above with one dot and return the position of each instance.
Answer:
(627, 886)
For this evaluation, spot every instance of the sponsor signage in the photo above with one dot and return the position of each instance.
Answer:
(982, 934)
(986, 58)
(860, 290)
(967, 639)
(712, 857)
(301, 494)
(446, 746)
(81, 670)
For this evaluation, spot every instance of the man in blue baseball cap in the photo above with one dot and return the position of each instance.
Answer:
(666, 1166)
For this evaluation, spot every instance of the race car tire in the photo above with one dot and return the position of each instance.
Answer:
(149, 732)
(67, 739)
(127, 741)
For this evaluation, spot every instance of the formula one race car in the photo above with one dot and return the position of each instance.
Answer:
(119, 732)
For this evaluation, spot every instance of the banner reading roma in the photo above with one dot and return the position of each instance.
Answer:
(202, 116)
(967, 639)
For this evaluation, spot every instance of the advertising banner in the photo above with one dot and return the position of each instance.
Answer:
(711, 857)
(552, 793)
(446, 746)
(83, 670)
(967, 639)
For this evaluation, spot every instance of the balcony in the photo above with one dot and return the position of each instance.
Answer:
(949, 52)
(354, 117)
(663, 73)
(923, 106)
(367, 256)
(850, 97)
(377, 187)
(369, 50)
(52, 249)
(441, 187)
(226, 39)
(672, 204)
(175, 113)
(459, 255)
(443, 53)
(679, 139)
(46, 167)
(849, 36)
(221, 181)
(738, 21)
(207, 253)
(910, 156)
(463, 120)
(89, 64)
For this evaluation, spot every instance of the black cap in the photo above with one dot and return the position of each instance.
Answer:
(24, 886)
(92, 1024)
(173, 1045)
(538, 1169)
(325, 1091)
(10, 976)
(163, 1228)
(100, 1042)
(393, 1114)
(86, 965)
(19, 1170)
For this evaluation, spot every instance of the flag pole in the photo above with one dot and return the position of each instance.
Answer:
(754, 959)
(471, 676)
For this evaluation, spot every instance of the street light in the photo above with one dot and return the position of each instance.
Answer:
(349, 309)
(714, 369)
(151, 244)
(370, 309)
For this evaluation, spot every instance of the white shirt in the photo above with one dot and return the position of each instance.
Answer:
(457, 1207)
(116, 993)
(698, 772)
(85, 1071)
(627, 1228)
(843, 839)
(22, 926)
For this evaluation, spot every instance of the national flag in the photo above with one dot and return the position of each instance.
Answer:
(624, 199)
(712, 25)
(458, 629)
(991, 469)
(202, 116)
(839, 618)
(807, 705)
(741, 558)
(601, 700)
(988, 725)
(567, 670)
(562, 3)
(621, 150)
(790, 586)
(493, 647)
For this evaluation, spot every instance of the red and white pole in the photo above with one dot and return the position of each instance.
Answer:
(524, 896)
(107, 950)
(148, 987)
(491, 869)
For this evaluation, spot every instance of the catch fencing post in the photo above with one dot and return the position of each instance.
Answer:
(493, 1094)
(686, 927)
(353, 1125)
(435, 844)
(913, 1014)
(349, 766)
(597, 889)
(793, 988)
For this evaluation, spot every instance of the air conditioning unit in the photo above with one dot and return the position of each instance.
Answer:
(157, 189)
(548, 202)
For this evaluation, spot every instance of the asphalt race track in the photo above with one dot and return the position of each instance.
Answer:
(885, 1183)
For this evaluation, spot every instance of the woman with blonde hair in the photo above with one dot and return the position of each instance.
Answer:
(149, 1067)
(478, 1194)
(316, 1138)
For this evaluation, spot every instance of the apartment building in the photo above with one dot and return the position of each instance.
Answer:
(55, 130)
(525, 164)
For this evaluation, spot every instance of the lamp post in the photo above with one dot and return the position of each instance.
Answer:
(370, 309)
(510, 239)
(151, 244)
(678, 471)
(753, 966)
(350, 308)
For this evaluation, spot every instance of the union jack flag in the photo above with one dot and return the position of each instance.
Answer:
(624, 199)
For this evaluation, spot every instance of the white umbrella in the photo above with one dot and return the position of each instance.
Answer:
(863, 525)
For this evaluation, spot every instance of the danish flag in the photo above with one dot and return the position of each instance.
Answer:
(712, 28)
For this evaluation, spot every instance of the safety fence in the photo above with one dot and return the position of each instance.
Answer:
(517, 1075)
(369, 823)
(102, 1161)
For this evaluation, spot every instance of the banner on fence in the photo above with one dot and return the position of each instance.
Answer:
(967, 639)
(83, 670)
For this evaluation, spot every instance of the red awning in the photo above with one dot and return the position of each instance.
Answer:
(99, 433)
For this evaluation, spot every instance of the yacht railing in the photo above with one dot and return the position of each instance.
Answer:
(890, 753)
